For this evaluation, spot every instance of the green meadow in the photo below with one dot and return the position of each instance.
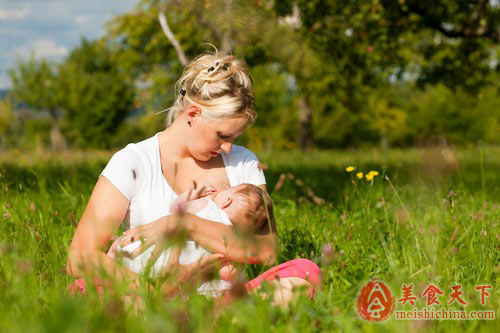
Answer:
(429, 217)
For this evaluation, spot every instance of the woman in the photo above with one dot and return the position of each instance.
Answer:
(214, 105)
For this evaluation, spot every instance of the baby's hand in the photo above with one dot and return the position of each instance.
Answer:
(203, 189)
(228, 273)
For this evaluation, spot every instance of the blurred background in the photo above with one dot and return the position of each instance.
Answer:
(327, 74)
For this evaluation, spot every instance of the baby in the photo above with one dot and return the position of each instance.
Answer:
(245, 206)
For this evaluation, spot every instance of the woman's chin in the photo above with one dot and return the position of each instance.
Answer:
(203, 157)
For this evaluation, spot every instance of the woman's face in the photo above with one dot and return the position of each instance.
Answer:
(208, 139)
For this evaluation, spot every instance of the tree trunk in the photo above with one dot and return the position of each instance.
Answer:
(57, 140)
(384, 140)
(305, 125)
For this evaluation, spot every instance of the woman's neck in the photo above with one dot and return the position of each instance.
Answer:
(172, 143)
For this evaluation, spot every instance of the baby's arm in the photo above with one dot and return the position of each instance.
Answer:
(185, 202)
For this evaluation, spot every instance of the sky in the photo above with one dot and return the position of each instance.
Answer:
(50, 28)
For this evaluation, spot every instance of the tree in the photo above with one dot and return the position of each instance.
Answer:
(371, 43)
(98, 94)
(87, 96)
(335, 54)
(385, 119)
(440, 41)
(248, 30)
(9, 123)
(35, 83)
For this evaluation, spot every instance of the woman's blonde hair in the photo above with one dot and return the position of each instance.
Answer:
(220, 86)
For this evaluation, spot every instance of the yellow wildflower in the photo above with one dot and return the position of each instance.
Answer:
(373, 173)
(350, 169)
(369, 177)
(359, 175)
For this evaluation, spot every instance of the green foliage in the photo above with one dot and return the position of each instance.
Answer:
(413, 231)
(388, 121)
(138, 128)
(36, 134)
(9, 123)
(276, 124)
(372, 71)
(98, 95)
(457, 116)
(147, 54)
(89, 95)
(35, 82)
(450, 42)
(363, 45)
(402, 114)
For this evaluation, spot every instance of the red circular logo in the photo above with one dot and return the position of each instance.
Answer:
(375, 301)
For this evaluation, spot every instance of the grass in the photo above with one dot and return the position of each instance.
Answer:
(433, 220)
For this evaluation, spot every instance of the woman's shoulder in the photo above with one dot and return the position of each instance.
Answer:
(241, 154)
(143, 151)
(242, 166)
(147, 146)
(138, 156)
(130, 168)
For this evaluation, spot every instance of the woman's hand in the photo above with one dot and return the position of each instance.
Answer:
(213, 236)
(194, 274)
(203, 269)
(156, 233)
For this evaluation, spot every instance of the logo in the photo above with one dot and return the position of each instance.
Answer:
(375, 301)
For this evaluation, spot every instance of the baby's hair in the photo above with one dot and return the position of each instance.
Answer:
(220, 86)
(257, 209)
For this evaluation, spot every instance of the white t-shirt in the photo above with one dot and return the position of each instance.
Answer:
(190, 253)
(136, 172)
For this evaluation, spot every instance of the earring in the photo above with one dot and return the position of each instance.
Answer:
(189, 123)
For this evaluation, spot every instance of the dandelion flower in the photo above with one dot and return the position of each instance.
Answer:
(359, 175)
(373, 173)
(350, 169)
(369, 177)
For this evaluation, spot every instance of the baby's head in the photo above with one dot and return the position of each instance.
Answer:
(246, 205)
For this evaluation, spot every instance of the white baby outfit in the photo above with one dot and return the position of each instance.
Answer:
(189, 254)
(136, 172)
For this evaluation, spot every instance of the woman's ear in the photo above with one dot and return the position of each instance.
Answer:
(227, 202)
(192, 111)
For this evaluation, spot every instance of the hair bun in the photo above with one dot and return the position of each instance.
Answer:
(220, 91)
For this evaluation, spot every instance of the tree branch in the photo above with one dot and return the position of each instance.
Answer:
(226, 41)
(170, 35)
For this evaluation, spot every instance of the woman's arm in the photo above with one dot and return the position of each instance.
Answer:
(221, 238)
(214, 236)
(104, 212)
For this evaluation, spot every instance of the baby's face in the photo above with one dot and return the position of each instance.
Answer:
(227, 197)
(230, 201)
